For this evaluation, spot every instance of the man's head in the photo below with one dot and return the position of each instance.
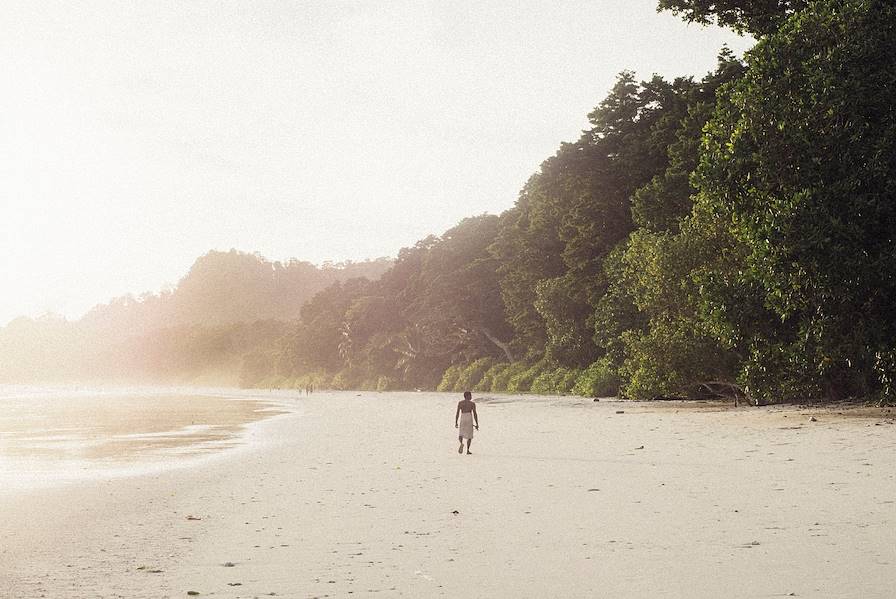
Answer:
(468, 395)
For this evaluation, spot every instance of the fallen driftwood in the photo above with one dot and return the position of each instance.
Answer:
(724, 390)
(713, 390)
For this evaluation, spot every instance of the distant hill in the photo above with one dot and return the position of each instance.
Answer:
(224, 288)
(227, 303)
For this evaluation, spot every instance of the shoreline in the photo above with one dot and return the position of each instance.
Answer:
(54, 437)
(103, 387)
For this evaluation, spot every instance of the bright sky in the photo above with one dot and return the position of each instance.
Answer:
(136, 136)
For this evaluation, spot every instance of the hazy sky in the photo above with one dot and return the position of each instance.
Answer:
(136, 136)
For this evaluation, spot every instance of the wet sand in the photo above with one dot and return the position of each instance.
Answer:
(366, 496)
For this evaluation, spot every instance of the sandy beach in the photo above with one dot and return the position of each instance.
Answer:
(344, 494)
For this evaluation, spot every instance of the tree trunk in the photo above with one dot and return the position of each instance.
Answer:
(501, 345)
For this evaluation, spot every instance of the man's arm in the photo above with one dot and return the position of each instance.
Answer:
(475, 416)
(456, 414)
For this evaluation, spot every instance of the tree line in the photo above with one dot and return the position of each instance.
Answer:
(732, 234)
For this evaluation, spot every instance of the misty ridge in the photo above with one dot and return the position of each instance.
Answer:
(226, 304)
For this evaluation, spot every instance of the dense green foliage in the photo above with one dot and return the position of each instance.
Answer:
(754, 16)
(799, 161)
(727, 235)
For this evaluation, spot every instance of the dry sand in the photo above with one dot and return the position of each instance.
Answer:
(366, 496)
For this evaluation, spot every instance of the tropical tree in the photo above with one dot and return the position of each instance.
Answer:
(800, 162)
(758, 17)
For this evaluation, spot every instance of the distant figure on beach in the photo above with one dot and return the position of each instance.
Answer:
(469, 420)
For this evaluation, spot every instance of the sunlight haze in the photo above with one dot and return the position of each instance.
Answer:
(138, 136)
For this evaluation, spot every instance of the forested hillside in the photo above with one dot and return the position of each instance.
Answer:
(730, 233)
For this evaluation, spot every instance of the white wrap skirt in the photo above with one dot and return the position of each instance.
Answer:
(465, 428)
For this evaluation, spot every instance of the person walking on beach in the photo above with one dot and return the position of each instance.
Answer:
(469, 420)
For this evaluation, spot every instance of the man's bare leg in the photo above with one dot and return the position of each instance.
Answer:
(468, 445)
(460, 448)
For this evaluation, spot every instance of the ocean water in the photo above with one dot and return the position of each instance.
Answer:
(53, 435)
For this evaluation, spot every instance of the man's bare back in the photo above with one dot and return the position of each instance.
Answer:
(469, 419)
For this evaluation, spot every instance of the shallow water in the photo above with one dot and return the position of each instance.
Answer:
(53, 435)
